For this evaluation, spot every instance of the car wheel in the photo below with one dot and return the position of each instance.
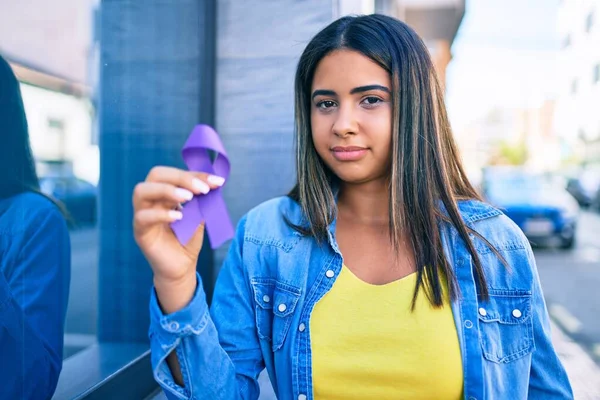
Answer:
(568, 243)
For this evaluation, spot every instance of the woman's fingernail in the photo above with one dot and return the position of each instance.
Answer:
(183, 194)
(200, 186)
(175, 215)
(216, 180)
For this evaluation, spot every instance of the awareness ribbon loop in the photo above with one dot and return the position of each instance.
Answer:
(208, 207)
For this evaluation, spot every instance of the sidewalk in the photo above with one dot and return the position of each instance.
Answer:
(583, 372)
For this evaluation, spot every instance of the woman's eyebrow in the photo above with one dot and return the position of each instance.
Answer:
(323, 92)
(360, 89)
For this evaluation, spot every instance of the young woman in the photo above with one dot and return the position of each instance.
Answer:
(382, 275)
(35, 261)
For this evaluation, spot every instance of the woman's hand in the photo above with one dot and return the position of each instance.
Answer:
(156, 204)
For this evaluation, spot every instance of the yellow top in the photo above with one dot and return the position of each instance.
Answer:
(367, 344)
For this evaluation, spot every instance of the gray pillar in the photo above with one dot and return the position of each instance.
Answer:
(259, 43)
(156, 83)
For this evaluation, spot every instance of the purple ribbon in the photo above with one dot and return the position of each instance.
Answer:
(208, 207)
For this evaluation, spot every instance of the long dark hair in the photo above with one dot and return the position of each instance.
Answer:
(17, 168)
(425, 165)
(17, 165)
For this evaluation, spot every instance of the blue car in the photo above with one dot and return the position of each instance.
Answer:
(539, 205)
(78, 196)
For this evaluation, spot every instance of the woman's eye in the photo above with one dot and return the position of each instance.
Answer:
(371, 100)
(323, 105)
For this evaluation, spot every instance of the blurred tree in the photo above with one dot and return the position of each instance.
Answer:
(510, 153)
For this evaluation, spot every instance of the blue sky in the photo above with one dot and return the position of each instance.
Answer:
(504, 56)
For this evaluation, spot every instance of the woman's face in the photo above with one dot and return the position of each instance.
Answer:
(351, 116)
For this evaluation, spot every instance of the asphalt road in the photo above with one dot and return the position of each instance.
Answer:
(571, 285)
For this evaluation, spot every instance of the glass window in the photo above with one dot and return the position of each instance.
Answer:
(56, 89)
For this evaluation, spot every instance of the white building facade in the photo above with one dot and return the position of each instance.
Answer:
(50, 47)
(578, 106)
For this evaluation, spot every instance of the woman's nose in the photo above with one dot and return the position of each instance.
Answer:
(345, 123)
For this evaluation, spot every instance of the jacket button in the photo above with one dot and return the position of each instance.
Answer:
(329, 274)
(482, 312)
(266, 298)
(301, 327)
(302, 397)
(171, 326)
(282, 307)
(517, 313)
(468, 324)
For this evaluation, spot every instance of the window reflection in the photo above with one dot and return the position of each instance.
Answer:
(35, 260)
(53, 57)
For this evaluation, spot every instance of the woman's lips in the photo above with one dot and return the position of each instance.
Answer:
(350, 153)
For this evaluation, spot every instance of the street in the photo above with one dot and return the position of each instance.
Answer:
(570, 280)
(571, 283)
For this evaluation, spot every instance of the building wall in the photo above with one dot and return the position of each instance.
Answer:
(59, 128)
(49, 46)
(353, 7)
(51, 35)
(254, 94)
(577, 107)
(441, 56)
(436, 22)
(542, 143)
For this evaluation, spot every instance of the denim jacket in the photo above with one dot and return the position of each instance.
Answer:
(35, 273)
(273, 276)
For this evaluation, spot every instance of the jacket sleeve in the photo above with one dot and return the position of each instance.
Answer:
(548, 379)
(218, 350)
(33, 302)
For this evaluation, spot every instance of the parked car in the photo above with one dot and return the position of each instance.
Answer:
(585, 188)
(538, 204)
(78, 196)
(576, 189)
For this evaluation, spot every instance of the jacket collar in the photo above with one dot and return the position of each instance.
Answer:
(470, 210)
(473, 210)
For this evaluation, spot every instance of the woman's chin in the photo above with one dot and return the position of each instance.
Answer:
(355, 179)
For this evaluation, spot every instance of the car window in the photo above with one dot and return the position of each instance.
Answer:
(516, 186)
(81, 185)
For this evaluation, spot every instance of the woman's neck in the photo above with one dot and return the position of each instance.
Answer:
(365, 203)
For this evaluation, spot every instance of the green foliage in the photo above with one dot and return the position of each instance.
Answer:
(511, 154)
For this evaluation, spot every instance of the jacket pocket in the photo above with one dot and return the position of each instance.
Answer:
(506, 326)
(275, 306)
